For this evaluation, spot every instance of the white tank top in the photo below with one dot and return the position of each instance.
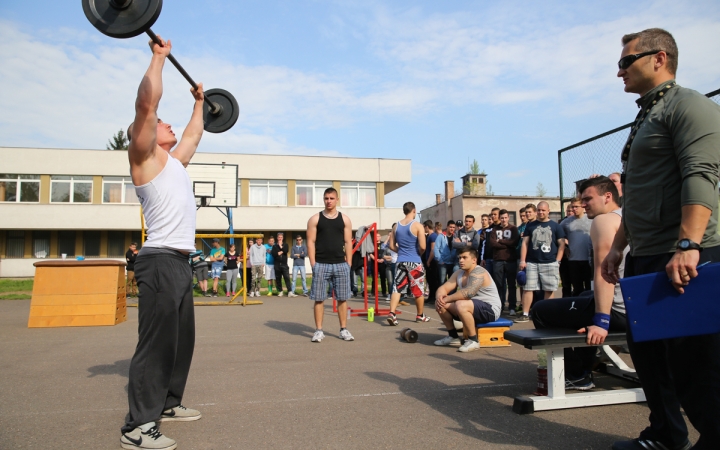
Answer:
(168, 204)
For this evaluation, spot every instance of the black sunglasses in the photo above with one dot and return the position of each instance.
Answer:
(628, 60)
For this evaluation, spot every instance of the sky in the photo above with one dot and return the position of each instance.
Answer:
(507, 83)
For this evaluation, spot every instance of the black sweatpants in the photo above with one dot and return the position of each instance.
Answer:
(574, 313)
(580, 276)
(678, 372)
(166, 335)
(282, 272)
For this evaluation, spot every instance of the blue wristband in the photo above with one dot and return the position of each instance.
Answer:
(601, 320)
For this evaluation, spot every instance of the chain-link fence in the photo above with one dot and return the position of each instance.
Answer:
(599, 154)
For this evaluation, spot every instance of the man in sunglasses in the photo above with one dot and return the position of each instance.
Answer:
(670, 210)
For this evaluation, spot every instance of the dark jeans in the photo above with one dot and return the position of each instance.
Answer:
(282, 272)
(678, 372)
(445, 271)
(565, 277)
(574, 313)
(166, 335)
(489, 267)
(382, 280)
(580, 276)
(431, 275)
(504, 275)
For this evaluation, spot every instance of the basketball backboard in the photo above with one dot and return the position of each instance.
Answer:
(217, 184)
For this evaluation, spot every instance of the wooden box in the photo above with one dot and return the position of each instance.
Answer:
(78, 294)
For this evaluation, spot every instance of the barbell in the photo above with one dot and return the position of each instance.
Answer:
(123, 19)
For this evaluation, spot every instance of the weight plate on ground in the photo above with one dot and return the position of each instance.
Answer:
(217, 123)
(122, 18)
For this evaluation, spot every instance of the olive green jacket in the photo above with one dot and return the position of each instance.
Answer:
(674, 161)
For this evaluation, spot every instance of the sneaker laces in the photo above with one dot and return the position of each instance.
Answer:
(153, 433)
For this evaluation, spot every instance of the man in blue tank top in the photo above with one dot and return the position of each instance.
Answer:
(408, 240)
(166, 320)
(330, 249)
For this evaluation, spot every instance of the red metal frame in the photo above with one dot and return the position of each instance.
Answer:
(364, 311)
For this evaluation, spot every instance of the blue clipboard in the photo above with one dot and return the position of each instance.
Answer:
(655, 310)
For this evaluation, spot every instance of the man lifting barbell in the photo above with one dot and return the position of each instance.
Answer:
(166, 320)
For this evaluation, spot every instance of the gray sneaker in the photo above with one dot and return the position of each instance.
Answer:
(346, 336)
(150, 439)
(522, 318)
(180, 414)
(448, 340)
(318, 336)
(512, 313)
(292, 294)
(469, 346)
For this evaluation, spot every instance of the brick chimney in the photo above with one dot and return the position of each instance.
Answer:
(438, 199)
(449, 190)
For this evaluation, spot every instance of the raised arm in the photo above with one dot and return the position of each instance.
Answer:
(143, 131)
(311, 233)
(194, 130)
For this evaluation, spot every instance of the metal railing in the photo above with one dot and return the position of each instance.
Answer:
(599, 154)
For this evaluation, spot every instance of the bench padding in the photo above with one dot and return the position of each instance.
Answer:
(558, 337)
(498, 323)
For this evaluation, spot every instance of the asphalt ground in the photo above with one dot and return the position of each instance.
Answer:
(261, 383)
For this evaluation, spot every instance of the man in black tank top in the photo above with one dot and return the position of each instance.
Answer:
(329, 244)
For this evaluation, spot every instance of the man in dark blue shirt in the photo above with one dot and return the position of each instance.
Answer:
(540, 255)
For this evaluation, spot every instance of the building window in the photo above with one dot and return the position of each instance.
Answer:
(357, 194)
(116, 244)
(556, 216)
(310, 193)
(15, 244)
(19, 188)
(41, 244)
(70, 189)
(119, 190)
(268, 193)
(66, 242)
(512, 216)
(91, 241)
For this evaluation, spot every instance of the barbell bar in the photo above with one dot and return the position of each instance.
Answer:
(124, 19)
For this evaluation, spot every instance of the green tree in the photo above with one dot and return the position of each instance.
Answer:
(475, 167)
(489, 190)
(540, 190)
(118, 141)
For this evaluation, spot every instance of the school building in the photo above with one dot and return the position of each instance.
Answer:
(82, 202)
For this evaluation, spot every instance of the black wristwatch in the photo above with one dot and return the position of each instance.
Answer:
(687, 244)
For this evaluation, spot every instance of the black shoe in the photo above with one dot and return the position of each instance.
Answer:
(206, 294)
(645, 444)
(214, 294)
(580, 384)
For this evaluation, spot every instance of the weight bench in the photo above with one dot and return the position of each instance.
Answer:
(554, 341)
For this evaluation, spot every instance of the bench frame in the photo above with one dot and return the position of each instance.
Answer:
(557, 398)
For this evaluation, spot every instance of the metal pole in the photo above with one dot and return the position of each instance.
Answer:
(560, 174)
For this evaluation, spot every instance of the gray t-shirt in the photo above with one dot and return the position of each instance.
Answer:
(577, 232)
(488, 294)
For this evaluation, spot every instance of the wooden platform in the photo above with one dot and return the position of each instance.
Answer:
(78, 294)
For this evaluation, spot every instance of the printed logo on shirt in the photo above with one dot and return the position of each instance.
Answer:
(542, 239)
(503, 234)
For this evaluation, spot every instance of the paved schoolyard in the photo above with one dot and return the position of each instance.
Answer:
(261, 383)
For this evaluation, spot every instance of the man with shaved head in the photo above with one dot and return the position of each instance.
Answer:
(540, 255)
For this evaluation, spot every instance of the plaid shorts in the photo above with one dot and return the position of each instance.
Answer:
(409, 278)
(326, 274)
(542, 276)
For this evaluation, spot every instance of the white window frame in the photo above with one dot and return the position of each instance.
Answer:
(268, 184)
(318, 189)
(123, 182)
(357, 186)
(72, 180)
(19, 180)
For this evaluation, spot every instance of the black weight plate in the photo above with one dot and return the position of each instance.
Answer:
(122, 22)
(229, 115)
